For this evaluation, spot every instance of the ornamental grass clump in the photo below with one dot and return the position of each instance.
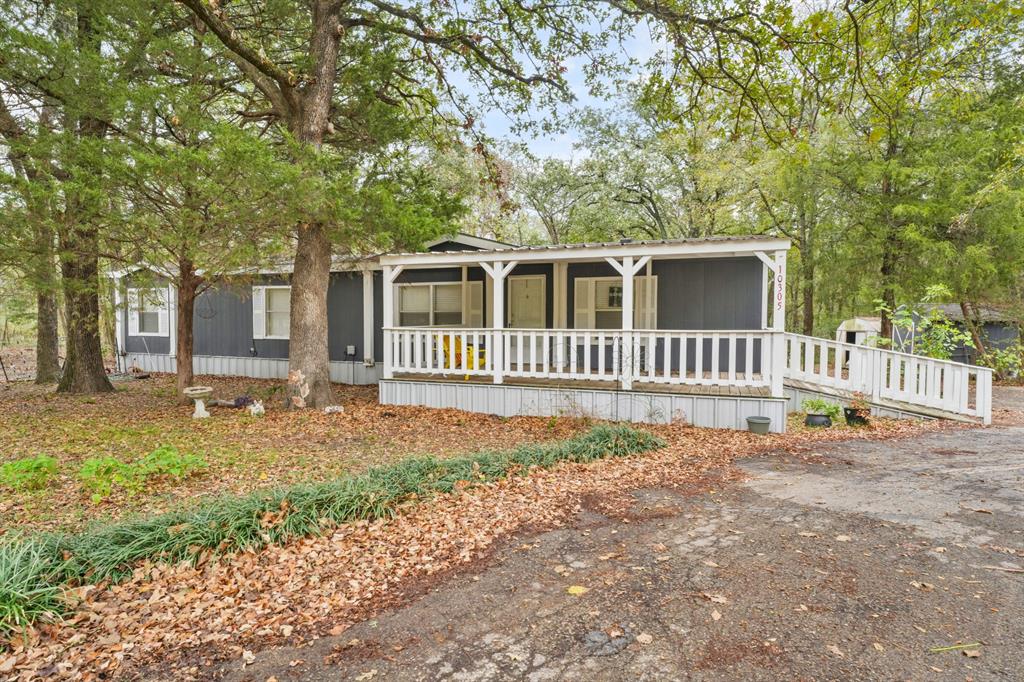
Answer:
(274, 516)
(31, 587)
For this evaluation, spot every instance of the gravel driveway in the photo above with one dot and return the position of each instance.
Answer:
(853, 563)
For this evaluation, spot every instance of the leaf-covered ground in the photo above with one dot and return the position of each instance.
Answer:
(174, 621)
(243, 452)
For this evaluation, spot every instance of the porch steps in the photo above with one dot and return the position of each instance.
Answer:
(796, 391)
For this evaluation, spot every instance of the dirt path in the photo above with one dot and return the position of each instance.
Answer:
(848, 565)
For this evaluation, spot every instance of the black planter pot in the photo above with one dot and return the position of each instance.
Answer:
(855, 417)
(817, 420)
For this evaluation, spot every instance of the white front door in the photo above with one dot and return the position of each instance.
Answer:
(527, 309)
(526, 304)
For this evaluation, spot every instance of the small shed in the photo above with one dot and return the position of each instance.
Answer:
(859, 330)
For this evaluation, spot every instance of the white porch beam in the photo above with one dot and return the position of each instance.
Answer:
(766, 260)
(368, 354)
(723, 248)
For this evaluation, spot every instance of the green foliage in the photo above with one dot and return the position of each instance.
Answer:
(166, 460)
(30, 584)
(30, 473)
(37, 568)
(934, 335)
(102, 475)
(822, 406)
(1006, 363)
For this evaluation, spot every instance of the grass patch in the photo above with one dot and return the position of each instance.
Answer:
(230, 524)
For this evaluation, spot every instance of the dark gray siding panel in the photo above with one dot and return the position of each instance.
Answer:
(453, 246)
(159, 345)
(345, 315)
(222, 323)
(378, 316)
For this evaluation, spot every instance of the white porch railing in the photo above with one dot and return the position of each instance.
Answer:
(879, 373)
(714, 358)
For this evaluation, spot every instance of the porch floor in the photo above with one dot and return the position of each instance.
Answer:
(678, 389)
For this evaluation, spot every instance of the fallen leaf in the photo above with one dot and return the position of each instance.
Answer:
(878, 647)
(368, 675)
(972, 653)
(248, 657)
(644, 638)
(714, 598)
(715, 615)
(835, 650)
(926, 587)
(577, 590)
(843, 538)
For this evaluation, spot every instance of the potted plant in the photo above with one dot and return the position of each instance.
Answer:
(820, 412)
(858, 412)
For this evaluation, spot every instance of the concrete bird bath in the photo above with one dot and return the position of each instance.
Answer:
(199, 394)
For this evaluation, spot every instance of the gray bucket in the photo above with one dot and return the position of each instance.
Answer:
(759, 424)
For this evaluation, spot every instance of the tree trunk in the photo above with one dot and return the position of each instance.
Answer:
(47, 342)
(79, 265)
(79, 256)
(972, 326)
(188, 285)
(307, 347)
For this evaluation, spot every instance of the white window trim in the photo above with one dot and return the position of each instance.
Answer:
(543, 296)
(265, 316)
(465, 297)
(134, 295)
(637, 303)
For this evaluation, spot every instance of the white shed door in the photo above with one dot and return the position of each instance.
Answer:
(526, 309)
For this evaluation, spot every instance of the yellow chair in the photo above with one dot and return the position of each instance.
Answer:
(475, 358)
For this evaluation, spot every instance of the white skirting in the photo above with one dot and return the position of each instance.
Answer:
(257, 368)
(508, 400)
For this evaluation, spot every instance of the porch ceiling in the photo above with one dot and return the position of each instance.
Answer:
(667, 248)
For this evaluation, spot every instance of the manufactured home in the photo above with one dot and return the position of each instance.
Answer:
(654, 331)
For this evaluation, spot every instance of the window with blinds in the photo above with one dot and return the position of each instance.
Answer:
(440, 304)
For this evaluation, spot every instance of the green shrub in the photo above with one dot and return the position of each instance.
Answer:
(30, 584)
(100, 475)
(167, 461)
(820, 406)
(30, 473)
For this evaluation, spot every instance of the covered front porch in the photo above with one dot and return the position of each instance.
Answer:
(680, 317)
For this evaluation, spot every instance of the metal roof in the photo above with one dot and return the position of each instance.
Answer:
(598, 245)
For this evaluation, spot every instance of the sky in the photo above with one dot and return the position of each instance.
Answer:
(641, 46)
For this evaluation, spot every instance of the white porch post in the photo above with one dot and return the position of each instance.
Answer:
(627, 358)
(497, 271)
(390, 274)
(779, 324)
(368, 353)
